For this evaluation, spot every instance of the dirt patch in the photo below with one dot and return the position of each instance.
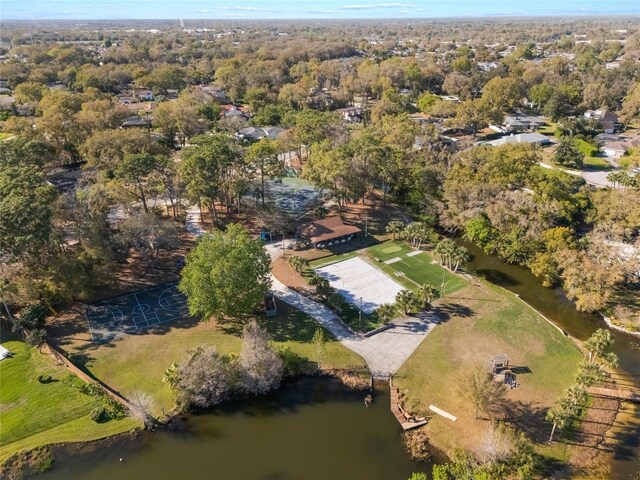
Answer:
(287, 274)
(593, 430)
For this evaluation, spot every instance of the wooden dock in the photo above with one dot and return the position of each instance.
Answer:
(625, 395)
(406, 421)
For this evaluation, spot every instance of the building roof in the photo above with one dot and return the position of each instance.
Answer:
(256, 133)
(521, 138)
(327, 229)
(523, 120)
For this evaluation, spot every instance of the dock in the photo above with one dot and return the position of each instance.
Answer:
(406, 421)
(625, 395)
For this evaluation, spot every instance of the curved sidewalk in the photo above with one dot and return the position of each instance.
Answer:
(384, 352)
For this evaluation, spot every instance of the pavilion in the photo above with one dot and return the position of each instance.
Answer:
(327, 232)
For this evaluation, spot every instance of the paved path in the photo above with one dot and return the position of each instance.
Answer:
(384, 352)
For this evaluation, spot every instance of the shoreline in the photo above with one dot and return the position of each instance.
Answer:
(20, 465)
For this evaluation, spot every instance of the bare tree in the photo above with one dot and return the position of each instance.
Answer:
(205, 380)
(262, 369)
(142, 404)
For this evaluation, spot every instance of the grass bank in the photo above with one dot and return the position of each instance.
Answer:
(480, 321)
(138, 362)
(33, 413)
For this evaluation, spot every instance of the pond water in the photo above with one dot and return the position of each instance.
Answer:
(555, 306)
(311, 429)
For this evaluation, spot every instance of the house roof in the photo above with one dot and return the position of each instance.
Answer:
(327, 229)
(521, 138)
(256, 133)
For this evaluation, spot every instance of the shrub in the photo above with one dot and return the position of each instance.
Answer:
(293, 363)
(99, 415)
(44, 378)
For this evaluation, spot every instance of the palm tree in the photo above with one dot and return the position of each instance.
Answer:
(577, 396)
(394, 227)
(559, 419)
(445, 251)
(386, 312)
(589, 374)
(427, 293)
(298, 263)
(598, 343)
(459, 255)
(405, 301)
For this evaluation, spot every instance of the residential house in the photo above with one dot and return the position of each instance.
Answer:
(607, 119)
(352, 114)
(254, 134)
(136, 121)
(520, 122)
(144, 95)
(620, 148)
(531, 138)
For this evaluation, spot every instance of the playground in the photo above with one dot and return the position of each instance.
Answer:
(135, 312)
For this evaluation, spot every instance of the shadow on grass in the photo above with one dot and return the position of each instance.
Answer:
(447, 310)
(528, 418)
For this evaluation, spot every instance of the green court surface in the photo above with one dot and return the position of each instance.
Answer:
(414, 269)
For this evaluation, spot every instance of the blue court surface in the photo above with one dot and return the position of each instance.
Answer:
(135, 312)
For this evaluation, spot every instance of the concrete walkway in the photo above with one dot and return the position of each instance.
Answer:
(384, 352)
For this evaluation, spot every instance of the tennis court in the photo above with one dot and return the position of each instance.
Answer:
(358, 281)
(293, 196)
(135, 312)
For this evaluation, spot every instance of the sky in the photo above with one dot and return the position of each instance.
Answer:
(309, 9)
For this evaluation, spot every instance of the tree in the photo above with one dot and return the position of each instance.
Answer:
(405, 301)
(205, 380)
(298, 263)
(134, 172)
(148, 235)
(395, 228)
(417, 233)
(262, 368)
(558, 417)
(319, 341)
(479, 388)
(8, 292)
(386, 312)
(426, 294)
(568, 154)
(263, 158)
(473, 115)
(29, 92)
(631, 105)
(226, 274)
(26, 200)
(598, 343)
(426, 101)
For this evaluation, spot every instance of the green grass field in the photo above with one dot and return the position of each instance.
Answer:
(596, 163)
(138, 362)
(418, 269)
(480, 321)
(33, 414)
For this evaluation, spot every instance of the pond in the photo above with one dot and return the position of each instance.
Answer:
(313, 428)
(555, 306)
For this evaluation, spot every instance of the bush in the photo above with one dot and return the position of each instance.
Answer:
(44, 378)
(99, 415)
(293, 363)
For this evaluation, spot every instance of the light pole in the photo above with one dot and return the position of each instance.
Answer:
(360, 312)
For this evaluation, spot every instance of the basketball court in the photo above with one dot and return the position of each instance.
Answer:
(357, 282)
(135, 312)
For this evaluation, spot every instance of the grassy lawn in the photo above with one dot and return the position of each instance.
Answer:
(33, 414)
(138, 362)
(482, 320)
(596, 163)
(418, 269)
